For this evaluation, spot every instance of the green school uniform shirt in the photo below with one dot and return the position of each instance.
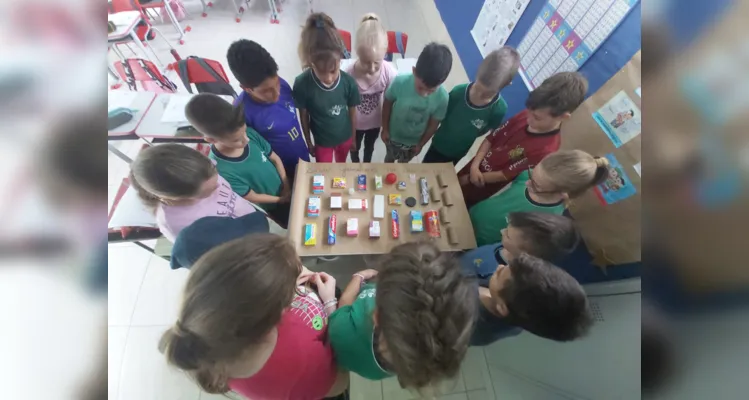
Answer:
(411, 111)
(330, 122)
(351, 333)
(489, 217)
(253, 170)
(464, 122)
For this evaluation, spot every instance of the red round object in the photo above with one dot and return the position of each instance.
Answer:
(390, 178)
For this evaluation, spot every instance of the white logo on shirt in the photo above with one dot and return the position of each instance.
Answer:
(271, 125)
(336, 110)
(264, 158)
(367, 293)
(478, 123)
(290, 108)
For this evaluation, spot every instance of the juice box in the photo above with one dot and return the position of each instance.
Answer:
(318, 184)
(417, 222)
(361, 183)
(310, 234)
(313, 207)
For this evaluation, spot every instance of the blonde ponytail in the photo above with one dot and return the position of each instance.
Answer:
(574, 171)
(371, 35)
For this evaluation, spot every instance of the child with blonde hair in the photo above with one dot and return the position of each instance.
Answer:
(324, 95)
(545, 188)
(373, 75)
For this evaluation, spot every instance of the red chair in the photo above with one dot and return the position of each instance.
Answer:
(157, 4)
(134, 70)
(346, 37)
(397, 42)
(144, 30)
(208, 76)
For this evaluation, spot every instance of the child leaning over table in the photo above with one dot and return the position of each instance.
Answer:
(242, 156)
(474, 108)
(557, 311)
(415, 104)
(415, 322)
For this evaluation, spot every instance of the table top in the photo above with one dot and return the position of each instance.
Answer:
(458, 220)
(153, 126)
(138, 101)
(125, 22)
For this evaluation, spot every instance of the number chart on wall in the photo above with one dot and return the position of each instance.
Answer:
(565, 34)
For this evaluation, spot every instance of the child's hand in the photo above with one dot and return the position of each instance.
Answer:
(311, 149)
(367, 274)
(477, 177)
(385, 135)
(325, 286)
(353, 147)
(304, 276)
(285, 189)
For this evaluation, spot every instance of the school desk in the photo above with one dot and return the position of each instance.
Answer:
(157, 128)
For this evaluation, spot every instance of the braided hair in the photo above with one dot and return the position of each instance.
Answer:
(426, 310)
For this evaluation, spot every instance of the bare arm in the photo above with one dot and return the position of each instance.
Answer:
(352, 115)
(276, 160)
(480, 154)
(494, 176)
(304, 119)
(432, 126)
(387, 108)
(259, 198)
(352, 290)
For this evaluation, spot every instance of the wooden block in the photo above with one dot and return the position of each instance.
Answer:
(434, 194)
(447, 198)
(441, 181)
(452, 237)
(443, 216)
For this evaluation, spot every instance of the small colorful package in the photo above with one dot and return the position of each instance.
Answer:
(357, 204)
(310, 234)
(339, 183)
(394, 199)
(318, 184)
(361, 183)
(417, 222)
(313, 207)
(402, 185)
(396, 228)
(336, 201)
(374, 229)
(378, 182)
(352, 227)
(332, 221)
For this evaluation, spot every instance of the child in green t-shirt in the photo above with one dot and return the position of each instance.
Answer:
(325, 96)
(474, 108)
(241, 155)
(415, 104)
(415, 322)
(546, 188)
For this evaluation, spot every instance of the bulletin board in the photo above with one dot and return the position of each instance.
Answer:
(608, 216)
(453, 217)
(565, 34)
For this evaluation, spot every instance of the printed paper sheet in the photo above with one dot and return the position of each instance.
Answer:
(495, 23)
(565, 34)
(620, 119)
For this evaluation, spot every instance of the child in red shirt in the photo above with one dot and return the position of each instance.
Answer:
(249, 324)
(525, 139)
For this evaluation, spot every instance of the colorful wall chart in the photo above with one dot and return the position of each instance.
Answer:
(565, 34)
(618, 186)
(495, 23)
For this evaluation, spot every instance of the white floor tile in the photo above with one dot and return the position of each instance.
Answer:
(127, 267)
(145, 373)
(160, 296)
(481, 394)
(475, 371)
(510, 387)
(364, 389)
(117, 339)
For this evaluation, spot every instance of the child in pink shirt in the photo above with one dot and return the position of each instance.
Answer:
(182, 186)
(250, 323)
(373, 75)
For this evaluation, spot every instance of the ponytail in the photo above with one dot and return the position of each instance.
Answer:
(574, 171)
(602, 171)
(320, 44)
(187, 351)
(372, 35)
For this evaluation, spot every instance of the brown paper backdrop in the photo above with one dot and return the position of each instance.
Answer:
(611, 232)
(362, 244)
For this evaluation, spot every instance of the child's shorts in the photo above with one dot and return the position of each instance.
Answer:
(397, 152)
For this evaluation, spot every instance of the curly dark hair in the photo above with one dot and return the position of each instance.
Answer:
(250, 63)
(426, 310)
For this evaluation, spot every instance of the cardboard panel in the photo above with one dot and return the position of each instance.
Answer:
(612, 231)
(457, 214)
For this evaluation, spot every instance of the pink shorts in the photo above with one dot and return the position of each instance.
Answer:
(325, 154)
